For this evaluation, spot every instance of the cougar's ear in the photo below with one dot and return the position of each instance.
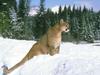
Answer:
(61, 21)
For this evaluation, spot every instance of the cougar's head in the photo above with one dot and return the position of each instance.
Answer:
(64, 26)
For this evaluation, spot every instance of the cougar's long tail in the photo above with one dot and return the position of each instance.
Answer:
(5, 68)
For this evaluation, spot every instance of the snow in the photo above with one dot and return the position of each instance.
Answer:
(73, 59)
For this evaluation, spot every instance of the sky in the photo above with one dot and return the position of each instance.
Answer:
(95, 4)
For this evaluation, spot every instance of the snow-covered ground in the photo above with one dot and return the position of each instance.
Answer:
(73, 59)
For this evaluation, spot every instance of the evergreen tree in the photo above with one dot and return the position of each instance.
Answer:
(69, 13)
(16, 23)
(65, 13)
(75, 24)
(5, 21)
(97, 26)
(50, 17)
(41, 26)
(20, 28)
(4, 24)
(60, 12)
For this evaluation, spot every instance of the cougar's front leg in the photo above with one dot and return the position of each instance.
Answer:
(58, 49)
(53, 50)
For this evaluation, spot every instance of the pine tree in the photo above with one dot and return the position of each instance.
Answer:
(97, 26)
(65, 13)
(50, 17)
(60, 12)
(5, 23)
(75, 24)
(21, 27)
(18, 25)
(86, 33)
(41, 26)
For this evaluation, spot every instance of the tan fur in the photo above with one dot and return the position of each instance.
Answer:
(48, 44)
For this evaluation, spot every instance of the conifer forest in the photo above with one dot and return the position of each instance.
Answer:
(16, 23)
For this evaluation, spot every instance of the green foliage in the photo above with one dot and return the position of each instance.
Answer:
(16, 23)
(41, 25)
(4, 24)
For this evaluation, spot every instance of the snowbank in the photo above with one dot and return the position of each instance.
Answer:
(81, 59)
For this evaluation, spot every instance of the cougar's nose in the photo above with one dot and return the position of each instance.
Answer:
(66, 29)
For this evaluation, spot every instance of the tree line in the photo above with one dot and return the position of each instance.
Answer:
(16, 23)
